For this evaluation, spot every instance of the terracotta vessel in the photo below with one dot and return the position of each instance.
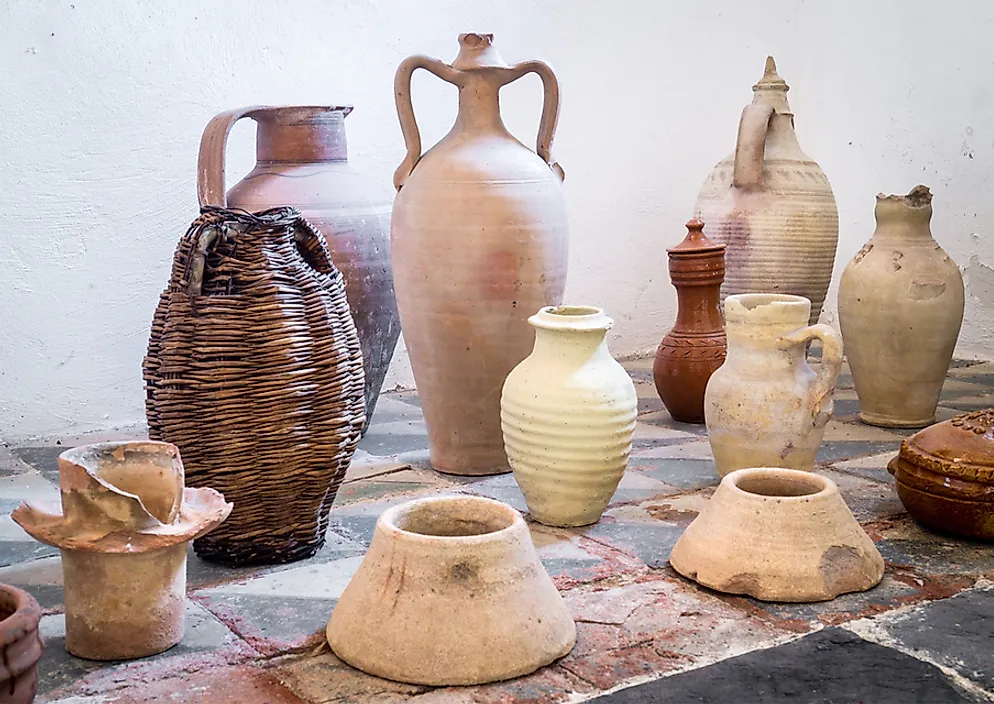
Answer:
(764, 406)
(778, 535)
(125, 523)
(688, 355)
(945, 475)
(450, 592)
(900, 309)
(568, 417)
(772, 205)
(479, 236)
(302, 161)
(20, 646)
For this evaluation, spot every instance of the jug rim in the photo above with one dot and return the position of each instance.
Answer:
(568, 317)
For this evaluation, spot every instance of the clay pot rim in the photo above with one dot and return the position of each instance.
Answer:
(24, 618)
(388, 521)
(279, 110)
(918, 198)
(75, 454)
(772, 308)
(566, 317)
(822, 487)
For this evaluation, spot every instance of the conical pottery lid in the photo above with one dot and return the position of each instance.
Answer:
(962, 447)
(696, 242)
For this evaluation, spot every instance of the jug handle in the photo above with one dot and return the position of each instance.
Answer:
(405, 108)
(820, 393)
(750, 146)
(550, 109)
(210, 164)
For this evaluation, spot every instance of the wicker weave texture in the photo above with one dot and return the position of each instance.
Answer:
(254, 371)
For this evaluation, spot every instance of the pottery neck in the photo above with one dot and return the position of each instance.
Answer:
(573, 335)
(781, 139)
(754, 325)
(301, 134)
(904, 219)
(698, 308)
(479, 104)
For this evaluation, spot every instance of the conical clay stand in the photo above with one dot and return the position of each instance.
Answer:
(125, 522)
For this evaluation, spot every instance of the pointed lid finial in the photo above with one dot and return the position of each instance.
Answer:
(477, 51)
(696, 240)
(771, 88)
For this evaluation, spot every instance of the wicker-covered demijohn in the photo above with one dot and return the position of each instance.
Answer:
(254, 371)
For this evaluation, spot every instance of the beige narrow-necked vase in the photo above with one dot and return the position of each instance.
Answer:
(900, 309)
(764, 406)
(771, 205)
(568, 416)
(778, 535)
(450, 592)
(123, 531)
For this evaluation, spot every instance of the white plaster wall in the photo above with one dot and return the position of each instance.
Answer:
(103, 102)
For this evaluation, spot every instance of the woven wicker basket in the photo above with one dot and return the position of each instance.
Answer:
(254, 371)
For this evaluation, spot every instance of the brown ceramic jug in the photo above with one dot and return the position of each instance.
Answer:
(695, 347)
(479, 243)
(302, 161)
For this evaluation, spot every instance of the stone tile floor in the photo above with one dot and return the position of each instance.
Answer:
(644, 634)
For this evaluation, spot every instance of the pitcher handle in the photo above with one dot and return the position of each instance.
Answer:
(405, 108)
(550, 109)
(820, 393)
(210, 164)
(750, 146)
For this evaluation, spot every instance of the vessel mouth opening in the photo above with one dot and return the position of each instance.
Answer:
(455, 517)
(752, 301)
(572, 311)
(780, 484)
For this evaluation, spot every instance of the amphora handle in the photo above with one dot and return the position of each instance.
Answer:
(210, 164)
(820, 392)
(457, 77)
(750, 146)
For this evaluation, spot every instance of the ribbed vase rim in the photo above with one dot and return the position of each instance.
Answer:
(571, 317)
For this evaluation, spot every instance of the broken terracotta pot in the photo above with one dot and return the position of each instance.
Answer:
(20, 645)
(125, 522)
(451, 592)
(778, 535)
(945, 475)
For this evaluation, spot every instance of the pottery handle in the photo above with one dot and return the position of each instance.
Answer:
(405, 108)
(550, 109)
(750, 146)
(820, 393)
(210, 164)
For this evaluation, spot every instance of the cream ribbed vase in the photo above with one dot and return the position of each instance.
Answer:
(771, 205)
(568, 416)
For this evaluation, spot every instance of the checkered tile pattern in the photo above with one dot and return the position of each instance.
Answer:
(257, 634)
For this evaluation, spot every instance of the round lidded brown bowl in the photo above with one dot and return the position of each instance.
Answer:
(945, 475)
